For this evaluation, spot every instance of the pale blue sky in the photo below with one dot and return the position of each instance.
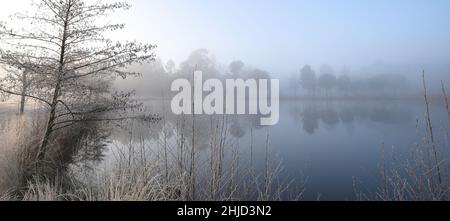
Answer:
(282, 35)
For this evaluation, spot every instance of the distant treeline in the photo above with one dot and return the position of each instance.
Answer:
(326, 82)
(308, 82)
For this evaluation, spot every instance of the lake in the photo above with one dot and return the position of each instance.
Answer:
(326, 145)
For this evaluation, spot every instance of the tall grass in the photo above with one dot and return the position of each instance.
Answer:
(21, 135)
(421, 177)
(16, 161)
(145, 170)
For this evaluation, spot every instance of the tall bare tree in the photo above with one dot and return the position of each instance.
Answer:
(65, 46)
(16, 82)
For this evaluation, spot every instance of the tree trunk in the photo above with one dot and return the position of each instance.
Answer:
(23, 93)
(50, 125)
(52, 115)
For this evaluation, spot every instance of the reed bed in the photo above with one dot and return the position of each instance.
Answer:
(422, 176)
(162, 169)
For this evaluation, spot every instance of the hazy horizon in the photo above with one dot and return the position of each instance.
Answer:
(282, 36)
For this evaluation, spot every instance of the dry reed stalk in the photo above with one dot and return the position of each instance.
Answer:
(444, 92)
(430, 129)
(165, 140)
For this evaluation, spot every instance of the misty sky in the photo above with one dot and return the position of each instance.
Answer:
(281, 36)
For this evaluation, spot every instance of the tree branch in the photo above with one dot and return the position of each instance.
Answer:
(26, 95)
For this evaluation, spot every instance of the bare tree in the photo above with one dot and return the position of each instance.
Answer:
(16, 82)
(66, 46)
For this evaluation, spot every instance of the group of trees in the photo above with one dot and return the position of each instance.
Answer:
(62, 59)
(160, 75)
(327, 83)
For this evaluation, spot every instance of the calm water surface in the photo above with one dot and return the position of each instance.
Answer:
(326, 143)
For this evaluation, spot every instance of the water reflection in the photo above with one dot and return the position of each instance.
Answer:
(311, 114)
(175, 127)
(335, 156)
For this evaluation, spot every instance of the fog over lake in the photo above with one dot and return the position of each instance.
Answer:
(328, 145)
